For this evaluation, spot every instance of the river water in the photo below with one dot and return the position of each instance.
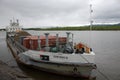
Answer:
(106, 45)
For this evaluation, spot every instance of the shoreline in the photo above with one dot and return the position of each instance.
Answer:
(7, 72)
(71, 30)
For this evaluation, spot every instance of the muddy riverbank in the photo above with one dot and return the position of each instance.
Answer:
(9, 73)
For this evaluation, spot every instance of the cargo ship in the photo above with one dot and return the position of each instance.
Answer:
(50, 53)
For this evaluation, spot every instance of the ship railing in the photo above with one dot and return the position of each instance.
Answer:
(20, 47)
(17, 45)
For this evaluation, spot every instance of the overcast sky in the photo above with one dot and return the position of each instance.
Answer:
(35, 13)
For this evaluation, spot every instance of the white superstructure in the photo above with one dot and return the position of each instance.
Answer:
(14, 26)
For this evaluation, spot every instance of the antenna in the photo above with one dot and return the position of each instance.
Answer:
(91, 21)
(17, 22)
(10, 22)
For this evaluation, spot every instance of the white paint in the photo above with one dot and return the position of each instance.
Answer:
(62, 58)
(13, 27)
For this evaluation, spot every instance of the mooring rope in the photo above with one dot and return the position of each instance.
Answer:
(96, 69)
(91, 24)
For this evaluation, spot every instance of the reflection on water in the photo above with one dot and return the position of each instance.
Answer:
(106, 45)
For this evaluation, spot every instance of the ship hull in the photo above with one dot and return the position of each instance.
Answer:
(81, 70)
(75, 70)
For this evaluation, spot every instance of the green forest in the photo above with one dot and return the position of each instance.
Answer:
(78, 28)
(94, 27)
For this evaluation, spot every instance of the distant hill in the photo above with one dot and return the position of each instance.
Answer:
(94, 27)
(118, 24)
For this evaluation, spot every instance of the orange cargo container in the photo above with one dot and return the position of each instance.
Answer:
(34, 43)
(43, 42)
(62, 40)
(52, 41)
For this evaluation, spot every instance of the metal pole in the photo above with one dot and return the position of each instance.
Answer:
(39, 46)
(57, 41)
(47, 41)
(68, 33)
(72, 39)
(91, 22)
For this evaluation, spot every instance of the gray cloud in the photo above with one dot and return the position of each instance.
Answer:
(107, 11)
(57, 12)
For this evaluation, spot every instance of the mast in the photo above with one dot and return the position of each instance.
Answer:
(91, 21)
(91, 11)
